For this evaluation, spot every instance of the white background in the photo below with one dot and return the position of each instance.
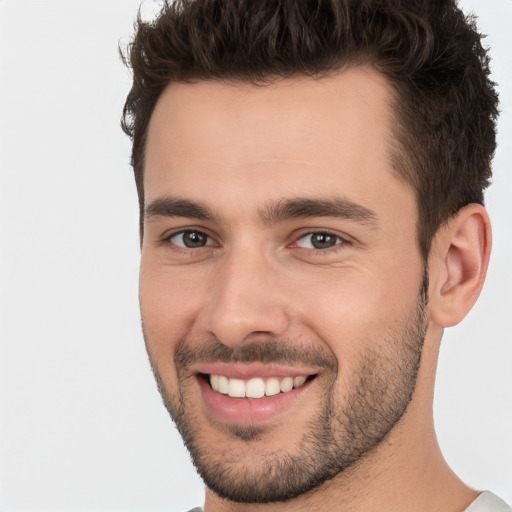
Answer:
(81, 423)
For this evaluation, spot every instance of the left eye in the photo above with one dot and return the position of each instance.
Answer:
(191, 239)
(319, 240)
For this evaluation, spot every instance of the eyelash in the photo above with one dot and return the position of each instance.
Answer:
(340, 241)
(169, 239)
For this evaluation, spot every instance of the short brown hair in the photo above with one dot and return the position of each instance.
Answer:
(445, 105)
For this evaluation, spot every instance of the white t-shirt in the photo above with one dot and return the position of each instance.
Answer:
(488, 502)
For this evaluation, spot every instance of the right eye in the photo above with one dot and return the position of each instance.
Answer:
(191, 239)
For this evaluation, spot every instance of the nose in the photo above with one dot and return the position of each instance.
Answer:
(245, 300)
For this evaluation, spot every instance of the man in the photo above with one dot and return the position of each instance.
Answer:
(310, 177)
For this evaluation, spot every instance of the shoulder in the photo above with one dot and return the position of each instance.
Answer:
(488, 502)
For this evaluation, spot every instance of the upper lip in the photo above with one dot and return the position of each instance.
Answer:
(246, 371)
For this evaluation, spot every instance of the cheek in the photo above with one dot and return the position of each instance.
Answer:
(357, 309)
(168, 300)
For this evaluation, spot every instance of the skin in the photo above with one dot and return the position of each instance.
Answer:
(238, 148)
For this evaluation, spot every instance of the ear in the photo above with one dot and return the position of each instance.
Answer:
(458, 264)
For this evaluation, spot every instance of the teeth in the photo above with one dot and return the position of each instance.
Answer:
(255, 388)
(272, 387)
(236, 388)
(223, 385)
(298, 381)
(286, 384)
(214, 381)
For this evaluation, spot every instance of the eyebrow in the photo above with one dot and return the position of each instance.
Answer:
(280, 211)
(169, 206)
(302, 208)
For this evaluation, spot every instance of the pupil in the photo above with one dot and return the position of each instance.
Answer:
(323, 241)
(194, 239)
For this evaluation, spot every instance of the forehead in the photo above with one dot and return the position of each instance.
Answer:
(216, 141)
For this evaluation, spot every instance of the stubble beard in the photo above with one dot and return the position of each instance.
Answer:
(344, 430)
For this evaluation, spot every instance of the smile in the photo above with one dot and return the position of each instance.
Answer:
(252, 393)
(255, 387)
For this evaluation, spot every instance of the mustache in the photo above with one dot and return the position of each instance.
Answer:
(270, 351)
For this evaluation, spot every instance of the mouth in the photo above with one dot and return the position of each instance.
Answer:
(255, 387)
(252, 394)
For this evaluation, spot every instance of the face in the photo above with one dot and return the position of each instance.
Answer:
(282, 291)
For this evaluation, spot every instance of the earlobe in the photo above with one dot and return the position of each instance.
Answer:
(458, 264)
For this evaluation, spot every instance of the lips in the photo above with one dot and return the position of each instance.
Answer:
(252, 393)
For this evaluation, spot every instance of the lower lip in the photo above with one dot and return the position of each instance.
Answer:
(248, 411)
